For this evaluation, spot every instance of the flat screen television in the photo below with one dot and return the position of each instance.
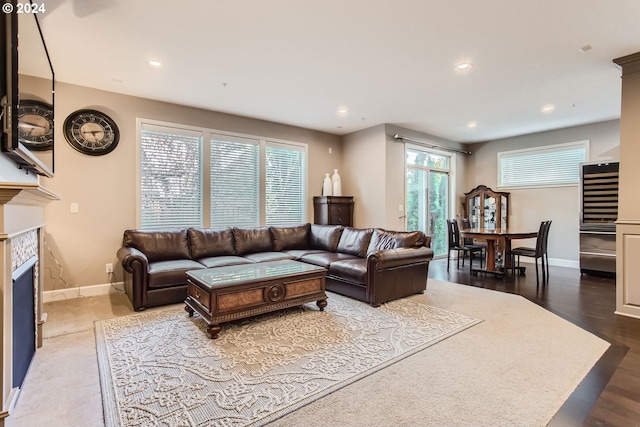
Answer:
(27, 92)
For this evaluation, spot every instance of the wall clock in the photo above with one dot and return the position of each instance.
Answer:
(91, 132)
(35, 125)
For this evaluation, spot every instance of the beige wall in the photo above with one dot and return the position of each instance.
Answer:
(104, 187)
(371, 164)
(374, 164)
(561, 205)
(363, 166)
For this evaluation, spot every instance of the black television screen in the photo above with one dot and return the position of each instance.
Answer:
(28, 101)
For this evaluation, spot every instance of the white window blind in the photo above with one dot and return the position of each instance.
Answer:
(235, 182)
(285, 185)
(170, 177)
(543, 166)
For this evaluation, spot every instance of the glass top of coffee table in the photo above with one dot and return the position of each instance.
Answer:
(246, 273)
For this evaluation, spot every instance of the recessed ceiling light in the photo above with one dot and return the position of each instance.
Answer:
(585, 48)
(155, 63)
(463, 66)
(342, 111)
(472, 125)
(549, 108)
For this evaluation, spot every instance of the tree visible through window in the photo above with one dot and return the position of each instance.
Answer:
(428, 196)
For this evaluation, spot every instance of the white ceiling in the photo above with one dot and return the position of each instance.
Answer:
(298, 61)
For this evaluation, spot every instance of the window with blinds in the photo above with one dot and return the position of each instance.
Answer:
(237, 181)
(285, 185)
(170, 178)
(551, 165)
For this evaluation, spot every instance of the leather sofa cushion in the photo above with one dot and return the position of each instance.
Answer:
(354, 270)
(325, 237)
(221, 261)
(207, 242)
(158, 245)
(163, 274)
(383, 239)
(355, 241)
(285, 238)
(252, 240)
(268, 256)
(299, 253)
(323, 259)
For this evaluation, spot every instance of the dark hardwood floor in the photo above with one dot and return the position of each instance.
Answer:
(610, 394)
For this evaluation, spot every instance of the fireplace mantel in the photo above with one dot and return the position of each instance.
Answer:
(29, 194)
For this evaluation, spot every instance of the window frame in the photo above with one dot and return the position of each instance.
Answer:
(525, 152)
(207, 135)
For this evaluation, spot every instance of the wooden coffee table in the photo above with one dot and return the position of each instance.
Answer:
(223, 294)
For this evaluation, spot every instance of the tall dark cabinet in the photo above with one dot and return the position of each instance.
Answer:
(334, 210)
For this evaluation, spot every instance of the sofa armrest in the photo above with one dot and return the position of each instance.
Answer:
(389, 258)
(132, 259)
(136, 275)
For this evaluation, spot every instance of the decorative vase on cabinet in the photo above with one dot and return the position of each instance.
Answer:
(336, 183)
(327, 185)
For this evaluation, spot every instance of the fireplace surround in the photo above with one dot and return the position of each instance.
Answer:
(21, 246)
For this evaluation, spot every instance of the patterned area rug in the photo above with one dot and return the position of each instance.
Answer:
(159, 368)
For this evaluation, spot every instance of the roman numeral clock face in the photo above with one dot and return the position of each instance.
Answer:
(91, 132)
(35, 125)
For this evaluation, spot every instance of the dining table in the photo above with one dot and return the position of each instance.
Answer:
(492, 237)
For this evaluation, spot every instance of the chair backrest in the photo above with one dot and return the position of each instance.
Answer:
(454, 233)
(543, 238)
(467, 224)
(546, 237)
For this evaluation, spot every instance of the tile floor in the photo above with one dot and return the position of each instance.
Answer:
(54, 394)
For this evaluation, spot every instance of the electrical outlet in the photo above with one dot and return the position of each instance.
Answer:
(109, 267)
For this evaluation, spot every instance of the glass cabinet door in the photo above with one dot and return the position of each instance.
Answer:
(489, 212)
(486, 208)
(503, 212)
(474, 211)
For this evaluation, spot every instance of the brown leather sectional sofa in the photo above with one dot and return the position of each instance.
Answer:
(372, 265)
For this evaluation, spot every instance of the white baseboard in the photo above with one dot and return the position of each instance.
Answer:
(82, 291)
(554, 261)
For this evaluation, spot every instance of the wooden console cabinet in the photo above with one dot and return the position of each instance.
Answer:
(333, 210)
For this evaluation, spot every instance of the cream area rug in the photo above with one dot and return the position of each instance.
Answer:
(158, 368)
(515, 369)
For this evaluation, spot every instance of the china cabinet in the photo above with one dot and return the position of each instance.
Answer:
(486, 208)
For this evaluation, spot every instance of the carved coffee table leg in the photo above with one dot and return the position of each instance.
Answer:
(321, 304)
(213, 331)
(189, 310)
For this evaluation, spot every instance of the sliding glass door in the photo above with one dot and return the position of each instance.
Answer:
(427, 198)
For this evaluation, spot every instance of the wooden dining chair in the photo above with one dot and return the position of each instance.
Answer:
(453, 231)
(540, 251)
(470, 243)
